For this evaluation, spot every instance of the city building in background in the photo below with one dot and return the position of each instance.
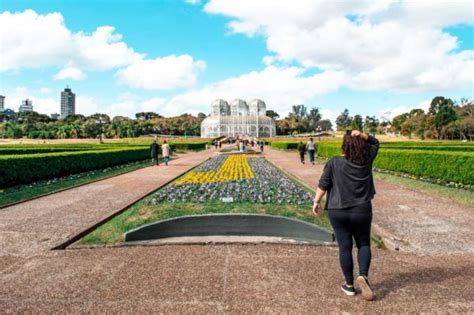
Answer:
(2, 103)
(55, 116)
(68, 103)
(238, 119)
(26, 106)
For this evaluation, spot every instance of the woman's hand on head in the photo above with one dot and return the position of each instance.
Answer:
(316, 209)
(355, 133)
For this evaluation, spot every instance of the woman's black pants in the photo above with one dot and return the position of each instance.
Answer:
(348, 225)
(302, 156)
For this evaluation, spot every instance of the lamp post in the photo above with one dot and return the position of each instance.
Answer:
(319, 132)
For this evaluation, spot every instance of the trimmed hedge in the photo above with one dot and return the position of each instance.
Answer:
(23, 169)
(12, 151)
(284, 145)
(448, 166)
(439, 162)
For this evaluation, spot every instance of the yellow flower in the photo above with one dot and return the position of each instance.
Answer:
(234, 168)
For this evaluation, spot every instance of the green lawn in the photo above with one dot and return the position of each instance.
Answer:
(113, 231)
(26, 192)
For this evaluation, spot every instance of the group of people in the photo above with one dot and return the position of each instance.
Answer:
(310, 147)
(155, 150)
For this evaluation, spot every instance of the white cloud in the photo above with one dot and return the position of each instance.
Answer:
(44, 105)
(381, 45)
(389, 112)
(70, 73)
(32, 40)
(279, 87)
(162, 73)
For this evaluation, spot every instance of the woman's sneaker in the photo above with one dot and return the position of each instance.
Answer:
(367, 292)
(349, 290)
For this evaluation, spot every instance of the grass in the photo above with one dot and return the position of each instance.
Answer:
(141, 213)
(458, 195)
(27, 192)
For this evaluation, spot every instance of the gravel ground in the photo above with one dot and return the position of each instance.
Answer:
(199, 279)
(230, 279)
(409, 220)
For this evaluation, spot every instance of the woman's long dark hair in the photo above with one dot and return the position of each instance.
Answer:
(355, 149)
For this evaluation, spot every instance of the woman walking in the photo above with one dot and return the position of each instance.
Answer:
(347, 180)
(166, 151)
(302, 151)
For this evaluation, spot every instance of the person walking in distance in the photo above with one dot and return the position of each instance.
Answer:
(311, 148)
(262, 143)
(348, 182)
(154, 148)
(166, 152)
(302, 151)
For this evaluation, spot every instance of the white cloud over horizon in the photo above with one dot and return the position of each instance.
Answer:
(162, 73)
(70, 73)
(103, 49)
(382, 45)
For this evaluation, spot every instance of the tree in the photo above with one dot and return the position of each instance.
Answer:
(272, 114)
(357, 123)
(343, 121)
(299, 111)
(146, 115)
(371, 124)
(438, 102)
(313, 117)
(443, 117)
(324, 124)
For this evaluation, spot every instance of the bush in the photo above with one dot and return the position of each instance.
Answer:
(447, 166)
(26, 168)
(284, 145)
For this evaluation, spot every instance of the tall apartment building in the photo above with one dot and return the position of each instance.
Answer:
(2, 103)
(68, 103)
(26, 106)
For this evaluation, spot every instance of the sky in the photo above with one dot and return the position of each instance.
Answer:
(172, 57)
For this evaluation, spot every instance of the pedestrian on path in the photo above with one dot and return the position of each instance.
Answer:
(311, 148)
(348, 182)
(166, 152)
(261, 144)
(302, 151)
(154, 148)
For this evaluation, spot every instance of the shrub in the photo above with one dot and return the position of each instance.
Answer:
(284, 145)
(444, 165)
(448, 166)
(26, 168)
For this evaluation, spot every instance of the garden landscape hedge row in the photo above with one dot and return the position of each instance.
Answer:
(26, 168)
(438, 162)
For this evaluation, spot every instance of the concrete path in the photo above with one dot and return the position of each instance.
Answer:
(410, 220)
(36, 226)
(229, 279)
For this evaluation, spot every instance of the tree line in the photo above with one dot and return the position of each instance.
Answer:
(39, 126)
(445, 119)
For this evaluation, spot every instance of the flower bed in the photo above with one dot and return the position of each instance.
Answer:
(242, 178)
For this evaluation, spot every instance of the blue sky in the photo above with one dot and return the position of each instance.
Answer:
(177, 56)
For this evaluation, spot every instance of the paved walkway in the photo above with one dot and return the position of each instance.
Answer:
(410, 220)
(196, 279)
(36, 226)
